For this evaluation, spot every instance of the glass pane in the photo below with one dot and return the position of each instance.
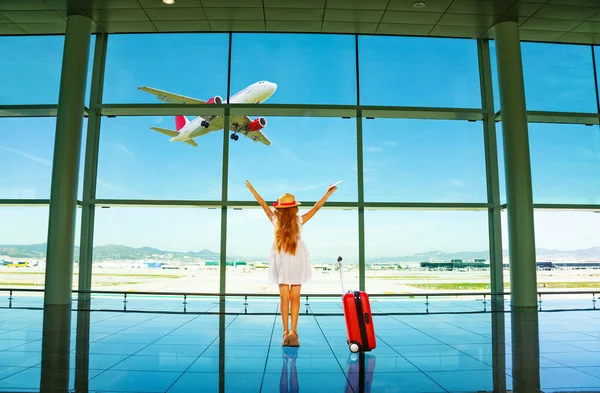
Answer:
(418, 71)
(27, 148)
(192, 65)
(82, 158)
(565, 163)
(329, 234)
(23, 236)
(557, 77)
(136, 162)
(156, 249)
(568, 249)
(307, 68)
(31, 73)
(501, 163)
(426, 251)
(424, 161)
(305, 156)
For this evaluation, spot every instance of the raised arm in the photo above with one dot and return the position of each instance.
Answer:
(308, 215)
(260, 201)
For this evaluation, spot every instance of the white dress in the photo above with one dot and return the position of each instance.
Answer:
(285, 268)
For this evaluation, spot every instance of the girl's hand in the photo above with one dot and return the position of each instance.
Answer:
(249, 185)
(331, 189)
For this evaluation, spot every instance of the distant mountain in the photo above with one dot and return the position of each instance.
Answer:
(109, 252)
(120, 252)
(23, 251)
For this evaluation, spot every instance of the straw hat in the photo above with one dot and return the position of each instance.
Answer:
(286, 200)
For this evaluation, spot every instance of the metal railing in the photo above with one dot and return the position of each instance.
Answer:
(486, 298)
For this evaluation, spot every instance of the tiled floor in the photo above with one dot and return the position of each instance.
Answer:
(150, 351)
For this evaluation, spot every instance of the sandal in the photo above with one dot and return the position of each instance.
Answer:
(286, 339)
(294, 339)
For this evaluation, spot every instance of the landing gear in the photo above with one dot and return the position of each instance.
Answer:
(205, 124)
(235, 137)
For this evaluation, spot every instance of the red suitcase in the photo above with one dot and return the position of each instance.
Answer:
(359, 321)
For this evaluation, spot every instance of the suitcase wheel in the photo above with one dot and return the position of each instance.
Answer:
(354, 347)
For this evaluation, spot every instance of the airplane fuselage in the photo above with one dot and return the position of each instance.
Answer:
(254, 94)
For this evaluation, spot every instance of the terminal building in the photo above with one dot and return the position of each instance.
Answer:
(465, 134)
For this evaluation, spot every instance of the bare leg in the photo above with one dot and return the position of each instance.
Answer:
(284, 298)
(295, 308)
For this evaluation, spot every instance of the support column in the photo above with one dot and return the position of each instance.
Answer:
(521, 237)
(65, 168)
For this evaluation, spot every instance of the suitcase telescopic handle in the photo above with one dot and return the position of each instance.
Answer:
(341, 275)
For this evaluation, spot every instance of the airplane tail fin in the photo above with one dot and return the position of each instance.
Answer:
(180, 122)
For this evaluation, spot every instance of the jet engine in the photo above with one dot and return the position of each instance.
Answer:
(257, 124)
(215, 100)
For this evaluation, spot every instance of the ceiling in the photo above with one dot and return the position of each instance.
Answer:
(571, 21)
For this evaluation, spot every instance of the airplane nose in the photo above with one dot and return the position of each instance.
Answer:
(273, 86)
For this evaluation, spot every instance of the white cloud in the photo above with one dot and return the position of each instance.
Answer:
(123, 149)
(116, 187)
(374, 149)
(39, 160)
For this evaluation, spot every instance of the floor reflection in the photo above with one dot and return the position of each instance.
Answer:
(360, 371)
(288, 383)
(524, 350)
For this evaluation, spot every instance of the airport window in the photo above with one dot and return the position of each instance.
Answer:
(501, 167)
(303, 68)
(557, 77)
(84, 127)
(31, 74)
(26, 147)
(423, 161)
(328, 234)
(23, 246)
(305, 156)
(190, 65)
(565, 163)
(413, 71)
(137, 162)
(565, 243)
(426, 251)
(157, 249)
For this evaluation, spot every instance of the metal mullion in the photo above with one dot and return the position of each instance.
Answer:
(361, 203)
(91, 167)
(286, 110)
(155, 202)
(584, 118)
(224, 184)
(28, 110)
(360, 177)
(595, 78)
(328, 205)
(567, 206)
(24, 202)
(491, 165)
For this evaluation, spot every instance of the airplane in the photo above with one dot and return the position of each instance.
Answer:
(186, 130)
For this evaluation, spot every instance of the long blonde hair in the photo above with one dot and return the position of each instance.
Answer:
(287, 230)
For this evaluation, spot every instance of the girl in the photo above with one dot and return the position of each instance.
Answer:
(289, 262)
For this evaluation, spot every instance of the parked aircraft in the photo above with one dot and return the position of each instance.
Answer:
(186, 130)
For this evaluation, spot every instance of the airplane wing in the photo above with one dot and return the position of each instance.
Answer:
(165, 96)
(243, 121)
(191, 142)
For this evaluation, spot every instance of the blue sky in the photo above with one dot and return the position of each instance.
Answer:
(405, 160)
